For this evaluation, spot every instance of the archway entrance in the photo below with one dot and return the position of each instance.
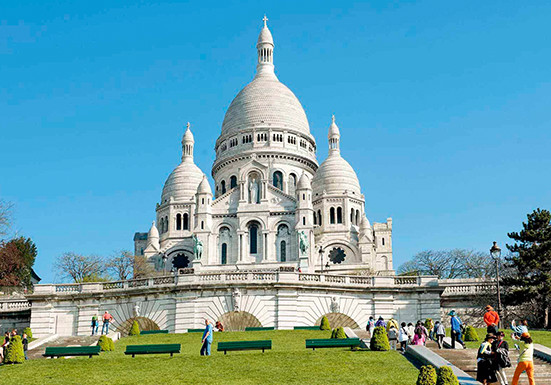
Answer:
(143, 322)
(339, 319)
(238, 321)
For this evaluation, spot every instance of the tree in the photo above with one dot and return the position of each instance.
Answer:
(27, 253)
(447, 264)
(17, 258)
(80, 268)
(121, 265)
(528, 279)
(142, 268)
(5, 217)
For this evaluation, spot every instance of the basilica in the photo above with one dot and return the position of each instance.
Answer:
(272, 205)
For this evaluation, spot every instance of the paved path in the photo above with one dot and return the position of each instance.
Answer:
(466, 360)
(62, 341)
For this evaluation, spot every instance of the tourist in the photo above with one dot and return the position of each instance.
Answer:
(420, 328)
(392, 323)
(370, 326)
(380, 322)
(485, 371)
(392, 336)
(501, 360)
(25, 342)
(525, 360)
(219, 326)
(5, 344)
(440, 332)
(456, 329)
(411, 332)
(95, 324)
(107, 319)
(518, 330)
(207, 339)
(403, 337)
(491, 318)
(419, 337)
(430, 326)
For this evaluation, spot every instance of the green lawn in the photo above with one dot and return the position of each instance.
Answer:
(287, 363)
(539, 336)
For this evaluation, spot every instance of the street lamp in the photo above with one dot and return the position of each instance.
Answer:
(495, 253)
(164, 257)
(321, 258)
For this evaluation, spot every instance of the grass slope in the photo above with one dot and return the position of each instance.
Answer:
(287, 363)
(539, 336)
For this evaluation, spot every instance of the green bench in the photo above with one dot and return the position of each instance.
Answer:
(306, 328)
(72, 351)
(196, 330)
(244, 345)
(333, 343)
(154, 332)
(152, 349)
(258, 329)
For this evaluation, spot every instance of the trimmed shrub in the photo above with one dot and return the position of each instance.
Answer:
(471, 334)
(340, 334)
(14, 352)
(334, 333)
(135, 329)
(446, 377)
(106, 344)
(427, 375)
(325, 324)
(28, 332)
(379, 340)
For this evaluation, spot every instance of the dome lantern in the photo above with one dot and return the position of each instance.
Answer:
(187, 144)
(265, 50)
(334, 136)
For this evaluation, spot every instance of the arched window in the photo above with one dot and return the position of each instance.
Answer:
(224, 254)
(383, 240)
(304, 221)
(278, 180)
(292, 184)
(357, 217)
(178, 221)
(339, 214)
(315, 219)
(283, 251)
(253, 238)
(352, 216)
(332, 215)
(202, 201)
(223, 186)
(186, 221)
(202, 225)
(319, 217)
(233, 181)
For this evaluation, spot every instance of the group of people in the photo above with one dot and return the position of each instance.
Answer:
(7, 340)
(406, 334)
(493, 354)
(107, 320)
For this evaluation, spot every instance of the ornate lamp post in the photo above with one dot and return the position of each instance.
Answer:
(495, 253)
(321, 258)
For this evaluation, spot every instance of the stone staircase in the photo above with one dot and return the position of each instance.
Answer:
(61, 342)
(465, 359)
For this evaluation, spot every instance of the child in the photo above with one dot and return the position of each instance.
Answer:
(403, 337)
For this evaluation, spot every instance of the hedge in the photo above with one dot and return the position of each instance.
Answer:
(379, 340)
(14, 352)
(446, 377)
(325, 324)
(427, 375)
(106, 344)
(28, 332)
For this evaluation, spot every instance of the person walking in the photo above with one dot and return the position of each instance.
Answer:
(456, 329)
(370, 326)
(429, 324)
(207, 339)
(440, 332)
(491, 319)
(525, 360)
(25, 342)
(5, 344)
(500, 358)
(392, 336)
(94, 324)
(403, 337)
(411, 332)
(518, 330)
(107, 319)
(392, 323)
(485, 371)
(380, 322)
(421, 329)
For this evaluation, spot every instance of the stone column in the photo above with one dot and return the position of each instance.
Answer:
(265, 245)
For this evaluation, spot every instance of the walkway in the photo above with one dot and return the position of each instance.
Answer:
(62, 341)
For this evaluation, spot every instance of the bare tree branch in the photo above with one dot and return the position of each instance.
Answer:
(80, 268)
(5, 217)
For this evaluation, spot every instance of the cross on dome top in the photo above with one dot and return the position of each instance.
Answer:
(265, 19)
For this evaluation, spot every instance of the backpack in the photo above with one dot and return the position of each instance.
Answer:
(503, 359)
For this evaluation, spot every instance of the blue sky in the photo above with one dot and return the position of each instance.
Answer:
(443, 109)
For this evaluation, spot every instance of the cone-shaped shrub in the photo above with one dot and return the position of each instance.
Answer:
(28, 332)
(106, 344)
(14, 352)
(427, 375)
(325, 324)
(135, 329)
(471, 334)
(379, 340)
(446, 377)
(340, 334)
(334, 333)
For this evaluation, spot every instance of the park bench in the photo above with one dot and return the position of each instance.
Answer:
(258, 329)
(196, 330)
(59, 351)
(244, 345)
(306, 328)
(153, 349)
(154, 332)
(333, 343)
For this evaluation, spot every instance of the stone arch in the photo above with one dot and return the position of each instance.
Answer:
(338, 319)
(352, 254)
(238, 320)
(143, 322)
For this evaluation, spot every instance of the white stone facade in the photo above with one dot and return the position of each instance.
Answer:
(269, 191)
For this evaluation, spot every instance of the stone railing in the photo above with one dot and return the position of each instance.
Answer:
(206, 279)
(466, 287)
(12, 306)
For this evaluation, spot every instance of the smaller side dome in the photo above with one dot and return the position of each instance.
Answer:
(153, 238)
(304, 183)
(204, 186)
